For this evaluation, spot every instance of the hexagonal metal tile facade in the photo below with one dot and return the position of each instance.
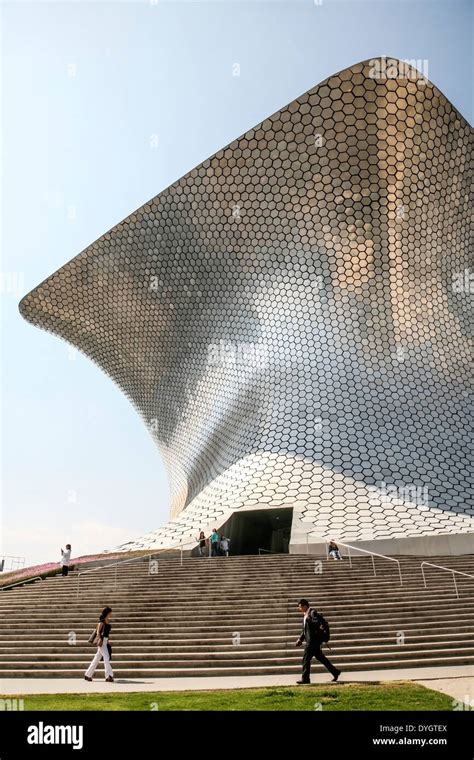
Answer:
(291, 318)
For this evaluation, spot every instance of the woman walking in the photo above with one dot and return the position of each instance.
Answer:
(103, 633)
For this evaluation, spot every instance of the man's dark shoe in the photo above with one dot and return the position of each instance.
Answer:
(337, 675)
(87, 678)
(301, 682)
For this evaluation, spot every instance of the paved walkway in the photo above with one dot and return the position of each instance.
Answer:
(457, 681)
(461, 689)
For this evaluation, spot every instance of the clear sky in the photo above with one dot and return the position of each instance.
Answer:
(86, 87)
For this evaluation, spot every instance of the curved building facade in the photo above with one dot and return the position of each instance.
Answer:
(292, 318)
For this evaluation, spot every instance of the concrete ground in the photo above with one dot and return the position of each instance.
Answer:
(457, 681)
(461, 689)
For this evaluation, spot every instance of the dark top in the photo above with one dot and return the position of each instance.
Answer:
(106, 630)
(311, 632)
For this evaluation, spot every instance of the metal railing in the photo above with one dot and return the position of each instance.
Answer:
(358, 549)
(141, 558)
(21, 583)
(16, 563)
(449, 570)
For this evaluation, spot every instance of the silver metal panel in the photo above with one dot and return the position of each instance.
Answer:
(292, 317)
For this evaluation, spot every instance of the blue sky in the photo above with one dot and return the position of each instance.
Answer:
(86, 87)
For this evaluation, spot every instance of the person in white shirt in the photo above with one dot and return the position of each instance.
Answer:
(224, 546)
(65, 559)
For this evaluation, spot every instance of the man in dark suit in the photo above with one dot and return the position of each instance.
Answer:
(312, 634)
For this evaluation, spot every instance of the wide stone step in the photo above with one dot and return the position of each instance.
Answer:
(180, 672)
(238, 653)
(158, 644)
(283, 595)
(397, 616)
(254, 596)
(261, 658)
(201, 633)
(68, 588)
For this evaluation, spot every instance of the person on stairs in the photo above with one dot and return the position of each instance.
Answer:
(65, 559)
(103, 629)
(224, 546)
(202, 543)
(214, 543)
(334, 550)
(313, 636)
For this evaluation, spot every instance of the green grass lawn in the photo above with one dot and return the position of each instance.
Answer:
(376, 696)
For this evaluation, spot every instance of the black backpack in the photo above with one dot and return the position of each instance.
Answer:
(320, 626)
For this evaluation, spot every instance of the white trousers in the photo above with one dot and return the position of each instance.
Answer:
(101, 652)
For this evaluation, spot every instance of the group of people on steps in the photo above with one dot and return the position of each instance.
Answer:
(314, 635)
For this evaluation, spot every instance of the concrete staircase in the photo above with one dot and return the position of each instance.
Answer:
(238, 616)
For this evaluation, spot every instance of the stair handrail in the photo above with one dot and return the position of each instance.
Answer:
(140, 558)
(358, 549)
(18, 561)
(449, 569)
(21, 583)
